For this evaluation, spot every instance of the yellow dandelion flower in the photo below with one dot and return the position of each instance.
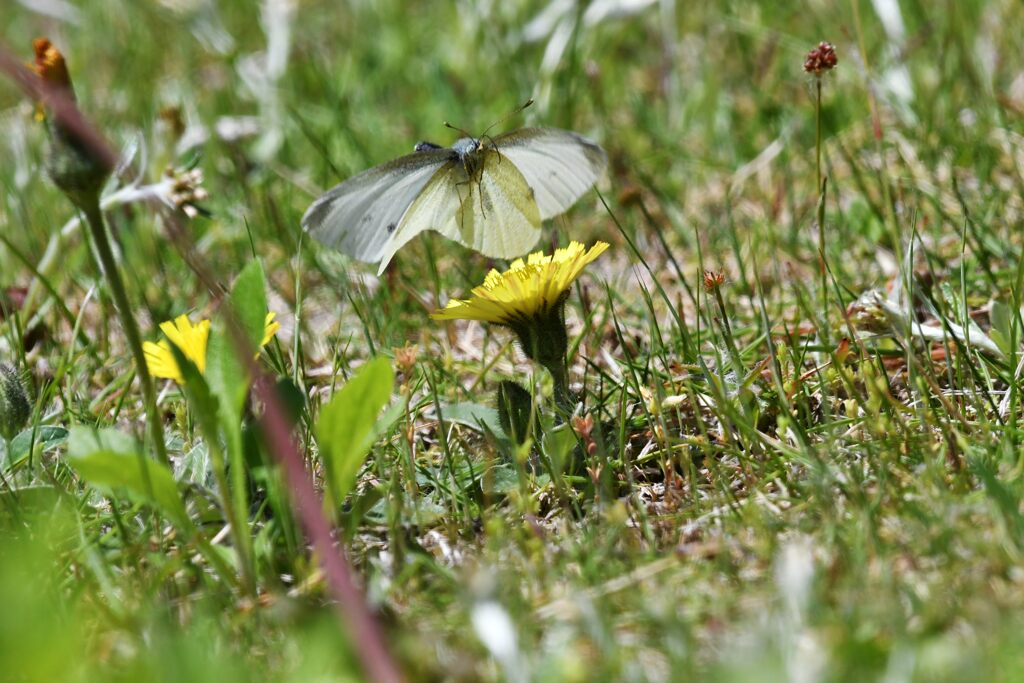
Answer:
(529, 298)
(527, 290)
(191, 340)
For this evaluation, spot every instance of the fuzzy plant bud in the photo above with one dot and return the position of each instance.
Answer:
(15, 408)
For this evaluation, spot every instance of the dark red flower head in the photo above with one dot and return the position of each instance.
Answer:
(821, 59)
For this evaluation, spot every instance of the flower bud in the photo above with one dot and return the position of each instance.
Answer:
(71, 162)
(50, 66)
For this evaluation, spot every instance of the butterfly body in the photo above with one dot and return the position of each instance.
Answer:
(490, 195)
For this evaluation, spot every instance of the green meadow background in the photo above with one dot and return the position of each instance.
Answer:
(783, 483)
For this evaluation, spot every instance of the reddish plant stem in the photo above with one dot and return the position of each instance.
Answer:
(363, 626)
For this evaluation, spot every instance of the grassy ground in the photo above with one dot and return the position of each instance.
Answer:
(787, 477)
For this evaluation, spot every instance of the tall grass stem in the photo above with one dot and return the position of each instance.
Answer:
(94, 218)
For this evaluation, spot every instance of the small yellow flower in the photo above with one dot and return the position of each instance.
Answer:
(191, 340)
(270, 328)
(526, 290)
(49, 65)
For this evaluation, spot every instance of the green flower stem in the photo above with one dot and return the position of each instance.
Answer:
(560, 376)
(820, 185)
(94, 218)
(817, 126)
(544, 339)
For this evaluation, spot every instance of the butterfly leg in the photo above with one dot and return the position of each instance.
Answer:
(493, 144)
(462, 205)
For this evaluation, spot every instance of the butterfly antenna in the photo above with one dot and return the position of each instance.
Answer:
(507, 116)
(461, 130)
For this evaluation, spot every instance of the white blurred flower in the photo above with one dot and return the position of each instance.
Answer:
(895, 77)
(262, 71)
(794, 573)
(556, 23)
(495, 629)
(803, 653)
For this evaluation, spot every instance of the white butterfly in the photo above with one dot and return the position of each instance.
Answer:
(490, 194)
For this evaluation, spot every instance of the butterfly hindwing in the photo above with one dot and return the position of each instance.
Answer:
(500, 217)
(559, 165)
(492, 212)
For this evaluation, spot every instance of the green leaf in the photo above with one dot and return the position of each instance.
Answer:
(195, 466)
(345, 430)
(226, 373)
(41, 439)
(1001, 331)
(559, 444)
(28, 500)
(111, 461)
(248, 300)
(504, 479)
(474, 416)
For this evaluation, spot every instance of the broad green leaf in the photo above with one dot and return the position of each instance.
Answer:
(226, 373)
(248, 300)
(474, 416)
(503, 479)
(42, 439)
(345, 430)
(28, 500)
(112, 461)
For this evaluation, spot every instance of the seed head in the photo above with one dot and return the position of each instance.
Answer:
(821, 59)
(406, 357)
(186, 190)
(713, 280)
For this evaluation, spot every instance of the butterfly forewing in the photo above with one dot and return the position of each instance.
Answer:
(359, 216)
(433, 209)
(559, 165)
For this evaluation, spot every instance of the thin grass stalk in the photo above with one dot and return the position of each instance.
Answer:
(821, 185)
